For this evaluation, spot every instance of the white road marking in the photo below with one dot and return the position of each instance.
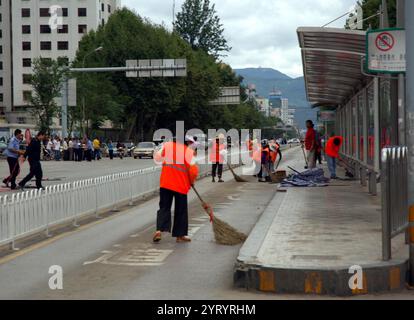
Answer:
(134, 258)
(201, 219)
(234, 197)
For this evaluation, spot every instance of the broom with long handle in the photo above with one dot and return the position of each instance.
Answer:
(304, 155)
(236, 177)
(223, 232)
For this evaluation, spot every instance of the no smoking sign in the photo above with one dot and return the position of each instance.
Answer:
(385, 41)
(386, 51)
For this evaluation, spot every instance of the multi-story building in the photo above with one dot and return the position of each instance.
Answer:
(263, 106)
(287, 115)
(275, 99)
(27, 32)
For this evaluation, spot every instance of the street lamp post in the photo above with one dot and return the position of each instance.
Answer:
(83, 96)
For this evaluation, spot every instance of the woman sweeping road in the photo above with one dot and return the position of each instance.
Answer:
(178, 175)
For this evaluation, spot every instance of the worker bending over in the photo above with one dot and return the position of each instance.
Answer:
(179, 173)
(332, 153)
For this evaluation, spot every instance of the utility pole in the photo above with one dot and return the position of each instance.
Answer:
(65, 100)
(401, 82)
(409, 27)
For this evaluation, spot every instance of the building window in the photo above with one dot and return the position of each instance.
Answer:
(109, 8)
(64, 29)
(1, 65)
(1, 49)
(1, 97)
(27, 62)
(103, 7)
(63, 61)
(27, 78)
(26, 29)
(103, 22)
(45, 28)
(63, 45)
(64, 12)
(45, 45)
(46, 60)
(1, 33)
(25, 12)
(21, 120)
(44, 12)
(1, 82)
(82, 12)
(27, 95)
(26, 45)
(82, 28)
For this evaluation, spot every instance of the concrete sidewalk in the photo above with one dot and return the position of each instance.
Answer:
(308, 238)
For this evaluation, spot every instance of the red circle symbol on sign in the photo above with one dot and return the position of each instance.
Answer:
(385, 41)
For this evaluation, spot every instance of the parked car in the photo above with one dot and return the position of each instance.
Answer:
(292, 141)
(3, 147)
(144, 149)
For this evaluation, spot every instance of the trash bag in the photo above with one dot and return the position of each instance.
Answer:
(309, 178)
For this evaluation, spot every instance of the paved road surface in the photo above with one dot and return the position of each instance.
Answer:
(115, 258)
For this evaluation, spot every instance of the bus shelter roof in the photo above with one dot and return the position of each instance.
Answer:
(331, 59)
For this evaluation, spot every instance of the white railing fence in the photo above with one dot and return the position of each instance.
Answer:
(34, 211)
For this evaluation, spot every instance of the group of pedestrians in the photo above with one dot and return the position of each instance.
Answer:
(314, 146)
(72, 149)
(15, 156)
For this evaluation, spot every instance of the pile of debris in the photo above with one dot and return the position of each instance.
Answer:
(309, 178)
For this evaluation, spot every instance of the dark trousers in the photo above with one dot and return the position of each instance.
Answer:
(111, 154)
(89, 154)
(180, 227)
(318, 156)
(76, 155)
(97, 154)
(217, 168)
(14, 169)
(35, 171)
(66, 155)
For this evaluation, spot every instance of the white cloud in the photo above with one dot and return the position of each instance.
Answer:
(261, 32)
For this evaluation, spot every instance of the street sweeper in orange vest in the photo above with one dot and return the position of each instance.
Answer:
(179, 173)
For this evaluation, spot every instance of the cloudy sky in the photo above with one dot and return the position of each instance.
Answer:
(260, 32)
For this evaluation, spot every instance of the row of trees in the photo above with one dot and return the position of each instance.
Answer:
(139, 106)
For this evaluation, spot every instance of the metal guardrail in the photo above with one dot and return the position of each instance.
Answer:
(364, 172)
(394, 193)
(27, 213)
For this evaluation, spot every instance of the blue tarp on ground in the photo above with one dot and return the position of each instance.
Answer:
(309, 178)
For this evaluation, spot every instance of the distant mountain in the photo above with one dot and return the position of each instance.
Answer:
(262, 73)
(268, 80)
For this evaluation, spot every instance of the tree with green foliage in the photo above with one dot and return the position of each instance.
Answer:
(46, 82)
(139, 106)
(199, 25)
(371, 7)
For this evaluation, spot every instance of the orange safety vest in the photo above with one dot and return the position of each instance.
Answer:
(215, 156)
(178, 174)
(257, 154)
(331, 149)
(267, 151)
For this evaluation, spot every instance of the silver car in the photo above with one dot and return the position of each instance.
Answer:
(144, 149)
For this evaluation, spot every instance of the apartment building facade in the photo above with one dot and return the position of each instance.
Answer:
(28, 30)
